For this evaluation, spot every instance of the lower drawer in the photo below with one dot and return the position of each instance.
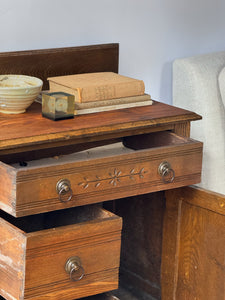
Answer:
(59, 255)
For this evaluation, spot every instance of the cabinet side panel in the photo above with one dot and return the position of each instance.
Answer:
(201, 272)
(205, 199)
(193, 264)
(12, 261)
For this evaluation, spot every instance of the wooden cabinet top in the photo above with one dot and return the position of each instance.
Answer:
(31, 131)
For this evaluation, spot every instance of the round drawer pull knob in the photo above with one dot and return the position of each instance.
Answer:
(63, 187)
(166, 172)
(74, 268)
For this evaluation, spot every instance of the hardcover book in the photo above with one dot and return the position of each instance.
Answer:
(90, 87)
(112, 104)
(111, 107)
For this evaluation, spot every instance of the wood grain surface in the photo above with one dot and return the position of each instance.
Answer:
(12, 256)
(33, 263)
(141, 243)
(194, 241)
(32, 130)
(29, 134)
(121, 173)
(46, 63)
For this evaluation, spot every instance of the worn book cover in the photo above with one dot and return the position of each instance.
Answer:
(90, 87)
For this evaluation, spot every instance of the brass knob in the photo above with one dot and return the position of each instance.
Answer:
(63, 187)
(166, 172)
(74, 268)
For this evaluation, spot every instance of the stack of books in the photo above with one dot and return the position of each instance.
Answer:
(103, 91)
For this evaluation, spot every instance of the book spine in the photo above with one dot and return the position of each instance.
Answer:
(104, 92)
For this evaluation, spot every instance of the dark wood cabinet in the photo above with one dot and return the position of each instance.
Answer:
(126, 169)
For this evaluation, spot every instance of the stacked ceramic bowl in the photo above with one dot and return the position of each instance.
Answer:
(18, 92)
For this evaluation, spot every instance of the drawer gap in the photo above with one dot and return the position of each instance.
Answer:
(115, 147)
(154, 140)
(56, 219)
(53, 151)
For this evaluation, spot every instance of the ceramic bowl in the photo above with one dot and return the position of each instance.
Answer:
(18, 92)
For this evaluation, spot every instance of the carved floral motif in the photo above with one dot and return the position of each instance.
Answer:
(112, 178)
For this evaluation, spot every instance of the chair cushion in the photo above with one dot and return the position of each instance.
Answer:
(196, 88)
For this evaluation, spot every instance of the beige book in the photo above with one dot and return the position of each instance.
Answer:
(110, 102)
(111, 107)
(90, 87)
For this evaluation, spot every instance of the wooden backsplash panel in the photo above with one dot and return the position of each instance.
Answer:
(61, 61)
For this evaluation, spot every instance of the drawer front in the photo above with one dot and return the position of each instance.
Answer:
(68, 262)
(83, 182)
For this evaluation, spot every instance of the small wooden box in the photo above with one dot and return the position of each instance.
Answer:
(35, 250)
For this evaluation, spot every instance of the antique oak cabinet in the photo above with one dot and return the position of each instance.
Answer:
(68, 189)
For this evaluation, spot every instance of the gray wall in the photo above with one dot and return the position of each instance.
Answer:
(151, 33)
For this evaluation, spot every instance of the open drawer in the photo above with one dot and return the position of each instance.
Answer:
(141, 164)
(60, 255)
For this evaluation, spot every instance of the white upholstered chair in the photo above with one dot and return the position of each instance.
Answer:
(199, 85)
